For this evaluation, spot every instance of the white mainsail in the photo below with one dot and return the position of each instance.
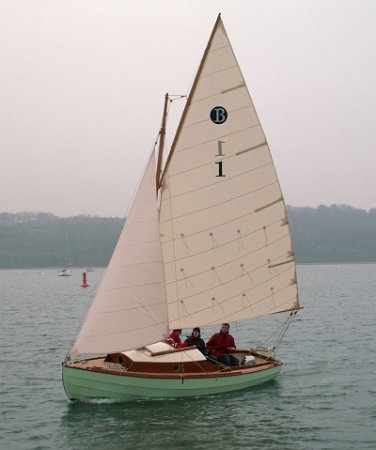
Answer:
(129, 310)
(225, 238)
(220, 249)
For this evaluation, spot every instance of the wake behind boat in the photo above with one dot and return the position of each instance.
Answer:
(206, 241)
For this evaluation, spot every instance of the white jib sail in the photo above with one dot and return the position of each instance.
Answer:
(225, 238)
(129, 310)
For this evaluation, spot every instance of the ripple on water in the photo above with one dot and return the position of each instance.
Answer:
(324, 398)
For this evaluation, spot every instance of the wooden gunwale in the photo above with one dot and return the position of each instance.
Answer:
(223, 372)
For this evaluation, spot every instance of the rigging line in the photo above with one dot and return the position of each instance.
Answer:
(214, 243)
(244, 271)
(244, 295)
(281, 330)
(277, 330)
(292, 315)
(240, 238)
(187, 247)
(187, 280)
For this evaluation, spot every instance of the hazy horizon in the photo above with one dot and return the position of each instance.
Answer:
(123, 216)
(83, 81)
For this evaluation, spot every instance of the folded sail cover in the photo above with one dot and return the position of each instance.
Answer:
(225, 238)
(220, 250)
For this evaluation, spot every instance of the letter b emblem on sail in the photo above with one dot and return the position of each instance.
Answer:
(218, 115)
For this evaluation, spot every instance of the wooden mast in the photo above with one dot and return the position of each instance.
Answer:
(162, 134)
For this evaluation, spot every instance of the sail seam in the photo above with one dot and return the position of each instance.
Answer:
(249, 213)
(263, 299)
(227, 180)
(266, 313)
(213, 50)
(248, 291)
(281, 263)
(138, 264)
(252, 148)
(224, 158)
(223, 244)
(138, 329)
(218, 138)
(152, 305)
(269, 204)
(137, 243)
(229, 112)
(242, 257)
(131, 286)
(239, 86)
(221, 203)
(201, 99)
(224, 69)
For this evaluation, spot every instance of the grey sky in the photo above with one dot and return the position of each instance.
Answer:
(82, 85)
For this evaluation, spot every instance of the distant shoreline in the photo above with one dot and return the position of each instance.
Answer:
(82, 269)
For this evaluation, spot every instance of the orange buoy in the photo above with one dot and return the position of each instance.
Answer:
(84, 283)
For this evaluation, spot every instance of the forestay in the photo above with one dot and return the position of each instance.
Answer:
(225, 237)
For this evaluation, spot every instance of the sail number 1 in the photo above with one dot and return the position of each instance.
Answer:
(220, 163)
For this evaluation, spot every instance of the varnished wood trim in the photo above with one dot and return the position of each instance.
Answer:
(173, 350)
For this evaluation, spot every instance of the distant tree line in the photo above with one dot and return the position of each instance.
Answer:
(336, 233)
(44, 240)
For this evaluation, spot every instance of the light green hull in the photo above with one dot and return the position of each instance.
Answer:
(84, 384)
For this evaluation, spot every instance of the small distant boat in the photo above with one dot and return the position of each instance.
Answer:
(65, 273)
(90, 269)
(206, 241)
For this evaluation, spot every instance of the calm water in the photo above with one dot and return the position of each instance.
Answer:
(325, 397)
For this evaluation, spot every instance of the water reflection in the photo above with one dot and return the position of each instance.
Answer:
(252, 418)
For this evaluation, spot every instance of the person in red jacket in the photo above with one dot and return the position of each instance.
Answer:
(221, 344)
(175, 340)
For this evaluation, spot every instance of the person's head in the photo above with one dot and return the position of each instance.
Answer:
(196, 333)
(225, 327)
(178, 331)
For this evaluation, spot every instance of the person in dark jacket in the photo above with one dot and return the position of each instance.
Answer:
(195, 339)
(221, 344)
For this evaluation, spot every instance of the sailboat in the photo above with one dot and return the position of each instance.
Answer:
(206, 241)
(64, 273)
